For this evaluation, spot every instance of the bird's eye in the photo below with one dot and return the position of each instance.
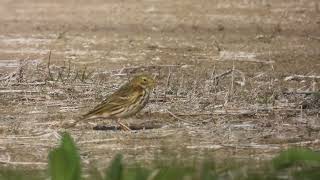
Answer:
(144, 79)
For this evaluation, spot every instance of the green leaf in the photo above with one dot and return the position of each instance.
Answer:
(114, 172)
(136, 172)
(293, 156)
(20, 174)
(64, 161)
(207, 171)
(141, 173)
(308, 174)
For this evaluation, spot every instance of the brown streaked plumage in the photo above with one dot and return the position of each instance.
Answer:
(126, 101)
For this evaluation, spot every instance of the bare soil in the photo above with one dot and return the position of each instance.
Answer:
(236, 78)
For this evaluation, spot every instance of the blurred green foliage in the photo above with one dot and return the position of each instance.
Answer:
(64, 161)
(64, 164)
(115, 171)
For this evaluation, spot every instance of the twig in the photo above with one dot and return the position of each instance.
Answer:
(297, 77)
(60, 75)
(305, 143)
(226, 98)
(255, 146)
(8, 77)
(232, 80)
(17, 91)
(217, 44)
(69, 69)
(20, 71)
(176, 117)
(222, 74)
(124, 71)
(237, 112)
(29, 84)
(152, 66)
(248, 60)
(48, 66)
(213, 147)
(167, 83)
(314, 38)
(24, 163)
(97, 141)
(83, 75)
(222, 112)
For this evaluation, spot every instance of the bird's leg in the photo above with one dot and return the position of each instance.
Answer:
(128, 125)
(123, 127)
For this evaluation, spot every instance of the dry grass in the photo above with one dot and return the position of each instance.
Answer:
(202, 108)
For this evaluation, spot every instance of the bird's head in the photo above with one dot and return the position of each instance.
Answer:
(144, 81)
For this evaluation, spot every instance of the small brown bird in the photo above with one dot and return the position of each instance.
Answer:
(128, 100)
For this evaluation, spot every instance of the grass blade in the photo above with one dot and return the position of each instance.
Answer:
(64, 161)
(114, 172)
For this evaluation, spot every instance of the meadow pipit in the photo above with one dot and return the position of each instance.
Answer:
(125, 102)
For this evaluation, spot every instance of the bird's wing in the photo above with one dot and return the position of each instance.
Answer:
(116, 102)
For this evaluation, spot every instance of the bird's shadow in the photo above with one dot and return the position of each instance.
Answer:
(136, 127)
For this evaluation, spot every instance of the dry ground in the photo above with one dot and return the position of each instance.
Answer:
(235, 77)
